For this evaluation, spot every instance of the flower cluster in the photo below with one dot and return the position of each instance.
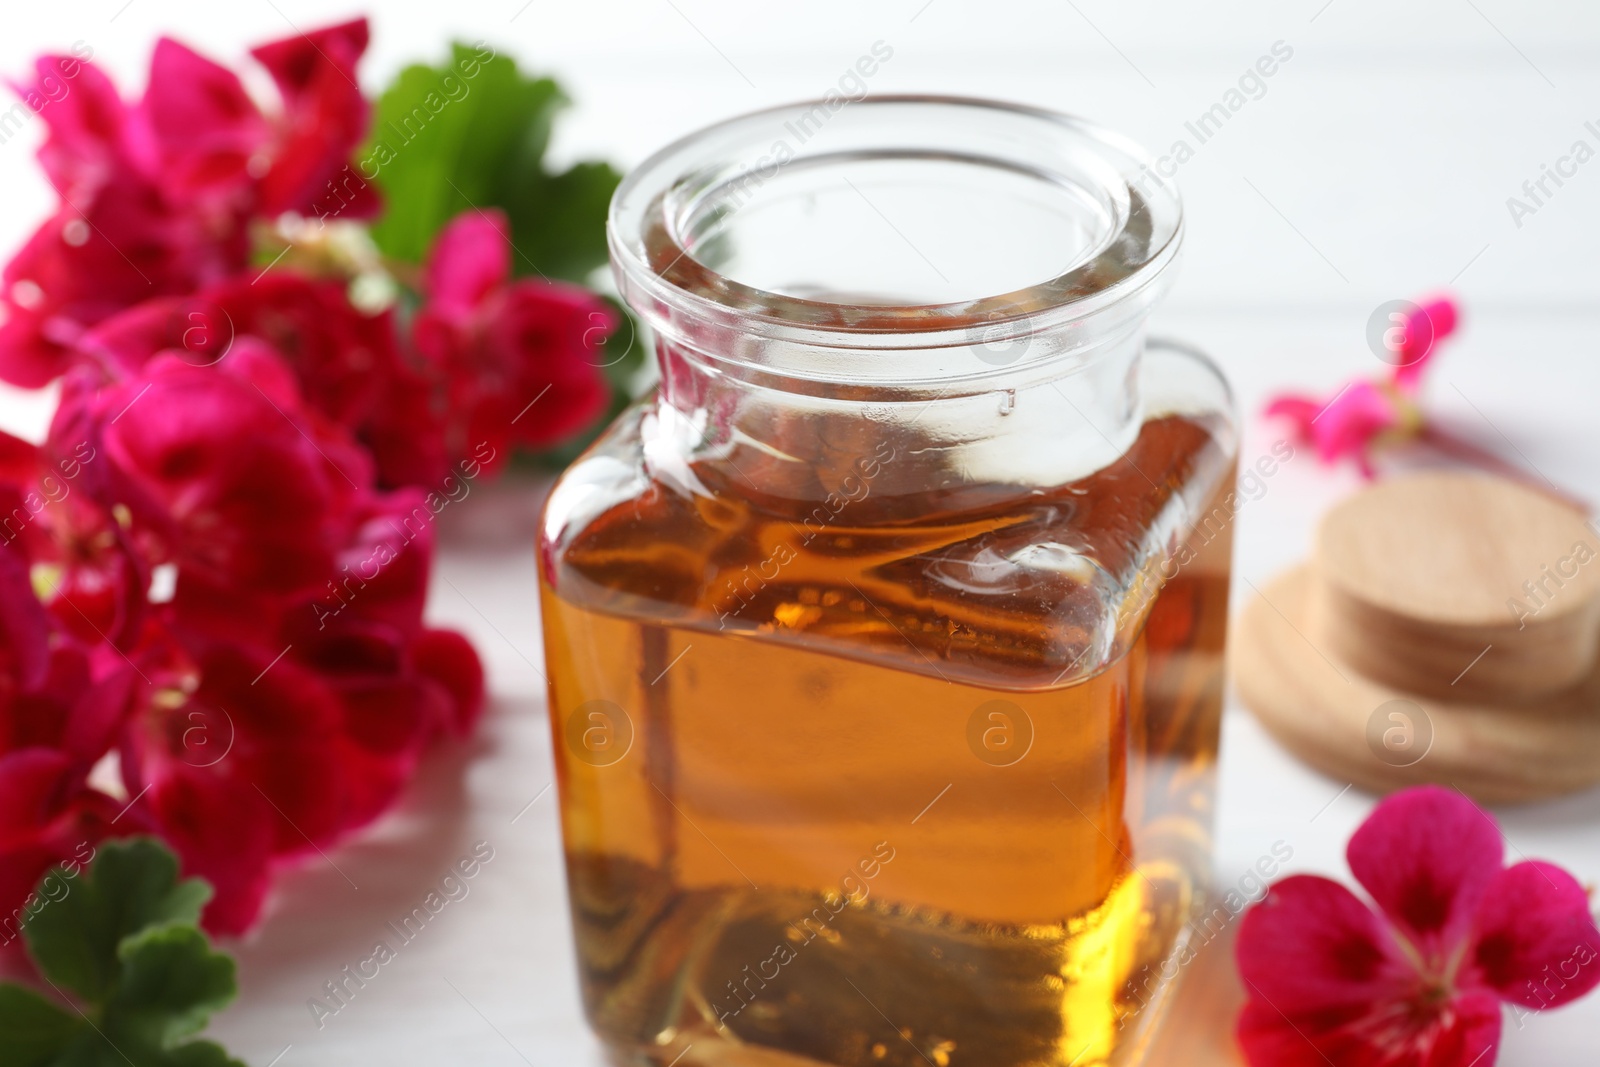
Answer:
(214, 567)
(1420, 980)
(1365, 414)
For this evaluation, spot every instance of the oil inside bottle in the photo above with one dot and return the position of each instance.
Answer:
(927, 782)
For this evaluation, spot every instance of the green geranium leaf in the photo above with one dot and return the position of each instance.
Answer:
(129, 886)
(171, 984)
(200, 1054)
(90, 1049)
(472, 132)
(122, 935)
(96, 1049)
(558, 222)
(442, 136)
(33, 1031)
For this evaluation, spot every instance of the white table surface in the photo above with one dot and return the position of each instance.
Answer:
(1376, 166)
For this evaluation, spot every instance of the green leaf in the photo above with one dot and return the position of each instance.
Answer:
(33, 1031)
(91, 1049)
(95, 1049)
(200, 1054)
(443, 136)
(559, 221)
(130, 885)
(123, 938)
(171, 984)
(472, 133)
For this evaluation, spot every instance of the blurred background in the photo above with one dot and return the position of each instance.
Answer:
(1390, 139)
(1376, 163)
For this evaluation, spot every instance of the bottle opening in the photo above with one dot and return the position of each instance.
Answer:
(891, 222)
(887, 229)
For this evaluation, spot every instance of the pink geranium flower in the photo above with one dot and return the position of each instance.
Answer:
(494, 347)
(275, 729)
(1418, 982)
(1419, 338)
(342, 357)
(324, 119)
(89, 573)
(1362, 415)
(203, 128)
(226, 470)
(156, 197)
(50, 693)
(399, 679)
(240, 761)
(215, 566)
(48, 815)
(56, 720)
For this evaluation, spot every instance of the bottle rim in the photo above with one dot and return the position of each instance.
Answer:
(659, 218)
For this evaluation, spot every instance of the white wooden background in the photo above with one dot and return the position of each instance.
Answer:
(1376, 166)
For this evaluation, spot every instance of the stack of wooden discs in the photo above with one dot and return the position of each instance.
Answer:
(1446, 630)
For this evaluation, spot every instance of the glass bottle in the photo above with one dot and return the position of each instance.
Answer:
(885, 636)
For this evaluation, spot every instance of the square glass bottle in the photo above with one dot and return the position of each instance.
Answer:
(885, 637)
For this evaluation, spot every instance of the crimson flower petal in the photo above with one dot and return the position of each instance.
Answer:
(100, 254)
(124, 232)
(126, 341)
(249, 489)
(1329, 985)
(296, 63)
(19, 459)
(98, 590)
(470, 258)
(43, 715)
(383, 571)
(1311, 945)
(388, 722)
(205, 125)
(552, 333)
(47, 815)
(407, 432)
(341, 357)
(27, 358)
(98, 715)
(1424, 329)
(24, 626)
(222, 830)
(1461, 1032)
(325, 118)
(205, 610)
(262, 723)
(31, 783)
(450, 660)
(90, 134)
(1537, 942)
(1301, 410)
(1427, 855)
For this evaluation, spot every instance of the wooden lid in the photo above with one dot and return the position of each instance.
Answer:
(1458, 586)
(1357, 729)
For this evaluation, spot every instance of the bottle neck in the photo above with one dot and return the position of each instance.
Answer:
(960, 282)
(1027, 423)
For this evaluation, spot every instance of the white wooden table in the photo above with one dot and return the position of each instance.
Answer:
(1376, 165)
